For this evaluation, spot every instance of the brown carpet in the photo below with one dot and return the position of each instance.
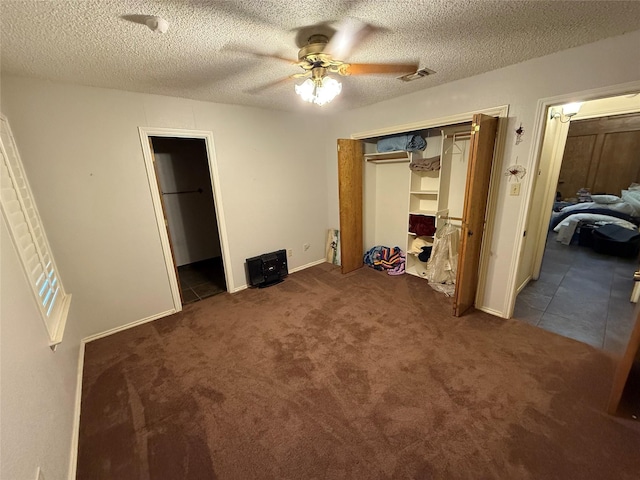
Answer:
(363, 376)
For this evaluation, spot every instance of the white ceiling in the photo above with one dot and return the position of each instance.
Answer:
(90, 42)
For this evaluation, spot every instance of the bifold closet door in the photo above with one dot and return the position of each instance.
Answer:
(483, 139)
(350, 197)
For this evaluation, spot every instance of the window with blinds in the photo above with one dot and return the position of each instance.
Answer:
(22, 218)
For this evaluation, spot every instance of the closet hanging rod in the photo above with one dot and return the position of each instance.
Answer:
(447, 217)
(185, 191)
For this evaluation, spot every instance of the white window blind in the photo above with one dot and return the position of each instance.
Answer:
(20, 212)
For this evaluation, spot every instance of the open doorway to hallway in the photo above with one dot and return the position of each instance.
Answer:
(569, 287)
(184, 180)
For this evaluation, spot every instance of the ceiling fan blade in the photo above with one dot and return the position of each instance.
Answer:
(348, 34)
(266, 86)
(255, 53)
(277, 57)
(382, 68)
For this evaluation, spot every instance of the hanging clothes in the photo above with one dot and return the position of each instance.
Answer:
(443, 262)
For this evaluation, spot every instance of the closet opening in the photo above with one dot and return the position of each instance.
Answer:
(410, 198)
(187, 199)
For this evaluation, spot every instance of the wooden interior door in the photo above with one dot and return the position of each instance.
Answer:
(601, 154)
(483, 139)
(574, 173)
(350, 197)
(624, 367)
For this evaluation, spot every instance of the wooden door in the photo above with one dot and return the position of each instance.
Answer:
(483, 139)
(350, 197)
(601, 154)
(625, 363)
(574, 173)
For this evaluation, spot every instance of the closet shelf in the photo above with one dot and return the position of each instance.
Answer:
(389, 157)
(416, 235)
(430, 213)
(423, 192)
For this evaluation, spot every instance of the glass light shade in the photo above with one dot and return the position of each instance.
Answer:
(306, 90)
(570, 109)
(319, 91)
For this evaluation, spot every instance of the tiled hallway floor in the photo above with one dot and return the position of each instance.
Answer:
(201, 279)
(582, 295)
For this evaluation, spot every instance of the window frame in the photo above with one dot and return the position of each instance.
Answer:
(29, 238)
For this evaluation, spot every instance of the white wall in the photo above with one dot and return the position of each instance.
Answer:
(37, 386)
(82, 153)
(608, 62)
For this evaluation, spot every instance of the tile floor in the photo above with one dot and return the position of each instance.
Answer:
(582, 295)
(201, 279)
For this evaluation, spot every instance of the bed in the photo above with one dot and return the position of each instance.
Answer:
(575, 223)
(602, 210)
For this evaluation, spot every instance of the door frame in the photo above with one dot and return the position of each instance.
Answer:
(551, 180)
(502, 113)
(154, 187)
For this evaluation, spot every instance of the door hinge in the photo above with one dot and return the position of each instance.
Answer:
(166, 223)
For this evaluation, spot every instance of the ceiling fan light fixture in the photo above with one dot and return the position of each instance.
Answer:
(320, 90)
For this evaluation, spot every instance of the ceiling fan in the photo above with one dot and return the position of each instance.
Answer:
(322, 55)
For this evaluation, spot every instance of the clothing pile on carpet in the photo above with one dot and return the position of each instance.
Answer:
(386, 258)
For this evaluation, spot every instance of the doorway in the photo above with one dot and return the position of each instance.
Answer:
(202, 259)
(576, 291)
(182, 170)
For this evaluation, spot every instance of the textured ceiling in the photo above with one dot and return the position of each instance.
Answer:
(100, 43)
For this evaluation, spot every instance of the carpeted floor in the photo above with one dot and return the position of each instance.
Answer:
(361, 376)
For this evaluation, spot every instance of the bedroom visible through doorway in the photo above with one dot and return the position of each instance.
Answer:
(187, 197)
(571, 284)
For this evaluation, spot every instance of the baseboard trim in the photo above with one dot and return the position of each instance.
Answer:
(491, 311)
(75, 433)
(308, 265)
(127, 326)
(524, 284)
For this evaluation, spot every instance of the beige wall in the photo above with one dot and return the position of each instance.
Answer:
(82, 153)
(608, 62)
(38, 386)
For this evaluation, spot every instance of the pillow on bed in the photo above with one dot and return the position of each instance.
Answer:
(606, 199)
(632, 197)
